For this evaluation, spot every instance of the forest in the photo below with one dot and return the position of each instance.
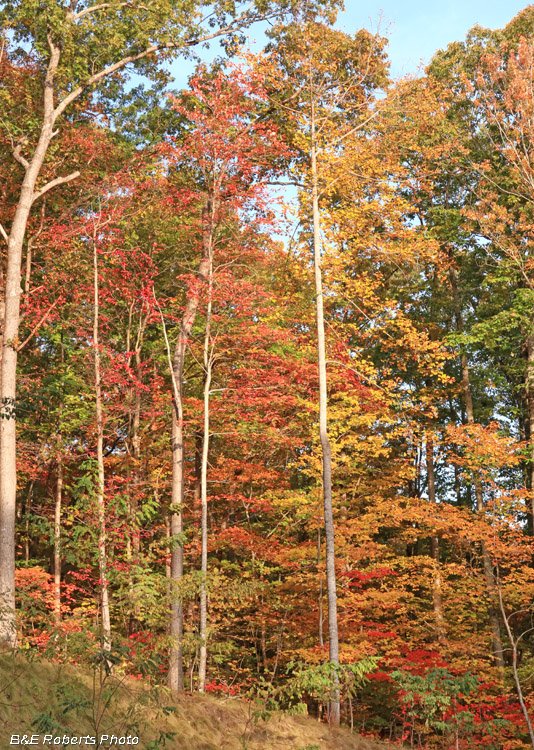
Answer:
(267, 375)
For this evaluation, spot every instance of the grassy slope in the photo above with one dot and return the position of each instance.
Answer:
(64, 699)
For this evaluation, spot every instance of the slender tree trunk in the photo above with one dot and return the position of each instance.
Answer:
(323, 432)
(136, 455)
(57, 532)
(198, 467)
(100, 497)
(529, 383)
(175, 675)
(437, 599)
(487, 564)
(208, 363)
(58, 500)
(320, 601)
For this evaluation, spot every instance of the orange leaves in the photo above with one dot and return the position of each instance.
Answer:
(485, 449)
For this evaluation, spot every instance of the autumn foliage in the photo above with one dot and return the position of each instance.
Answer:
(426, 194)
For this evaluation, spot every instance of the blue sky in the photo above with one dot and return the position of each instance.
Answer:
(416, 28)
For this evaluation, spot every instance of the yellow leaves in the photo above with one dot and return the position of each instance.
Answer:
(292, 502)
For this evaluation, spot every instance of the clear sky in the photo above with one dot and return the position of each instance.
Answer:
(416, 28)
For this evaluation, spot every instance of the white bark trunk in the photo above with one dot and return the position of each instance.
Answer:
(57, 535)
(208, 363)
(100, 489)
(331, 591)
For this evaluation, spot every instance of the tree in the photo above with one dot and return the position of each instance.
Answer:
(328, 93)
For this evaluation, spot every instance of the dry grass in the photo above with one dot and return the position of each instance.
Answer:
(39, 697)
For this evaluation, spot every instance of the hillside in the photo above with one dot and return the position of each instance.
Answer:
(42, 698)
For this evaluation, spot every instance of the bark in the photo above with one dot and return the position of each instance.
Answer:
(208, 365)
(57, 535)
(58, 504)
(175, 675)
(529, 383)
(331, 591)
(486, 560)
(437, 600)
(100, 498)
(320, 601)
(136, 455)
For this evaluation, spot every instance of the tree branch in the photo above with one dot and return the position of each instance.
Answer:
(95, 8)
(34, 330)
(18, 156)
(4, 233)
(148, 51)
(54, 183)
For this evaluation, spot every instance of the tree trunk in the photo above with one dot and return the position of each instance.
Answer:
(58, 500)
(57, 533)
(208, 363)
(175, 675)
(486, 560)
(136, 455)
(320, 600)
(437, 600)
(100, 496)
(529, 384)
(323, 433)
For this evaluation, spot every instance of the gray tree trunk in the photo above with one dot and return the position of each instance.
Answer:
(57, 534)
(208, 365)
(437, 599)
(100, 487)
(529, 387)
(331, 591)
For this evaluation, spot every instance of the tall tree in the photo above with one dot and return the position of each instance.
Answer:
(328, 93)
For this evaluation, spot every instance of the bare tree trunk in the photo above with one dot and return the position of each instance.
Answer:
(136, 455)
(437, 600)
(176, 626)
(175, 675)
(58, 501)
(331, 591)
(100, 497)
(57, 533)
(208, 365)
(320, 602)
(486, 560)
(529, 383)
